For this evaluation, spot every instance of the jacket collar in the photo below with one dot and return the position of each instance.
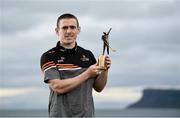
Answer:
(62, 49)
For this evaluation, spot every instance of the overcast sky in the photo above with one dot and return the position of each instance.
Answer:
(146, 34)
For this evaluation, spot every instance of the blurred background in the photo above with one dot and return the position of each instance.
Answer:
(145, 72)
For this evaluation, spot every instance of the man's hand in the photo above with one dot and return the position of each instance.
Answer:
(101, 80)
(94, 70)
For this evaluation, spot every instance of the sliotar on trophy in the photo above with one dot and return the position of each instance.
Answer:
(102, 57)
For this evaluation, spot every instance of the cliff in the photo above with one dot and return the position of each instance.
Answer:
(158, 98)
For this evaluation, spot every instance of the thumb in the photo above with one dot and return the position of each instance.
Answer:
(96, 64)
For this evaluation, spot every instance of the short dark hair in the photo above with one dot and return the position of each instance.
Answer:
(67, 16)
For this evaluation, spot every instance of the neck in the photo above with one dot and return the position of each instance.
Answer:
(68, 46)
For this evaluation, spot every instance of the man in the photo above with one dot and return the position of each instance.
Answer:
(71, 72)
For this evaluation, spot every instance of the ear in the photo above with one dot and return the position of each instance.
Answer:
(79, 30)
(56, 30)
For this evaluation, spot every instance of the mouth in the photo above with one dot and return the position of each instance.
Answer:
(68, 37)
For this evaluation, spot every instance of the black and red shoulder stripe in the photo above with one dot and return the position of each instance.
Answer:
(48, 65)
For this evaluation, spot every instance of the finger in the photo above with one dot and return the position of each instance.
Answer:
(108, 63)
(96, 64)
(100, 68)
(97, 72)
(107, 56)
(108, 59)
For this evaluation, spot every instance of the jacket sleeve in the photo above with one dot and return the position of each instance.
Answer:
(93, 59)
(48, 68)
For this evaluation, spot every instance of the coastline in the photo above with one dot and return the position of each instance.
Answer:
(99, 113)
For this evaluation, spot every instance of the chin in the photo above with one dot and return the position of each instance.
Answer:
(69, 42)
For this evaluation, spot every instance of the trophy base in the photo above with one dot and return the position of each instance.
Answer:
(102, 62)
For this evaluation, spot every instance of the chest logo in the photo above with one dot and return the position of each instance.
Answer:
(61, 60)
(84, 58)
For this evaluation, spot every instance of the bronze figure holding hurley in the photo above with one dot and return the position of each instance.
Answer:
(101, 59)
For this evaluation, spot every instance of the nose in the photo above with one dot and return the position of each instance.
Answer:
(68, 30)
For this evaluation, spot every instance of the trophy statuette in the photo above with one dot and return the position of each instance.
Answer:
(102, 57)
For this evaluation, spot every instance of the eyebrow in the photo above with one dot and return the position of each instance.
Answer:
(71, 26)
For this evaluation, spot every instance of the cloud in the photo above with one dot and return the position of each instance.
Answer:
(34, 12)
(16, 98)
(123, 94)
(144, 32)
(120, 97)
(11, 92)
(13, 96)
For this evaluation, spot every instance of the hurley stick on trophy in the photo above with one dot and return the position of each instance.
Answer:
(102, 57)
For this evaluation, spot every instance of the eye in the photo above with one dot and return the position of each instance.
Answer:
(65, 27)
(73, 27)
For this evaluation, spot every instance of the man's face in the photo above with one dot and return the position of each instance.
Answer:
(68, 31)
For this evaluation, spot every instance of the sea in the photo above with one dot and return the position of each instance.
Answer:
(130, 113)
